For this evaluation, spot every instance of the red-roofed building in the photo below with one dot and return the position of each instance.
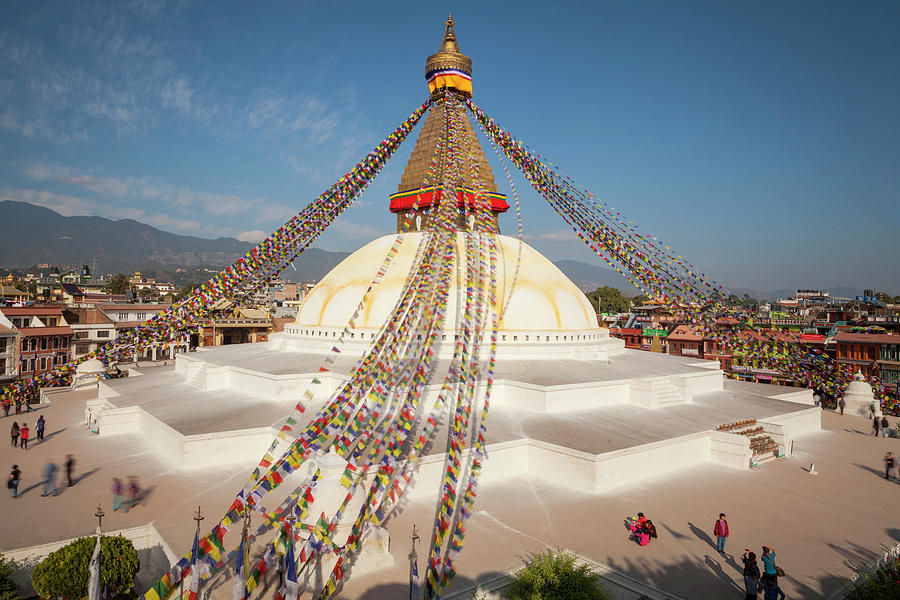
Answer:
(686, 341)
(872, 353)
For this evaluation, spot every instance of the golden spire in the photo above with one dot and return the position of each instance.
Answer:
(449, 44)
(449, 68)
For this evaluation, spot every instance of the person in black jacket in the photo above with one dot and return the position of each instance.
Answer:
(751, 574)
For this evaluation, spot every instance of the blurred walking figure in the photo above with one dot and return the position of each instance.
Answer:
(134, 491)
(39, 426)
(117, 489)
(50, 478)
(842, 404)
(13, 482)
(889, 463)
(884, 426)
(14, 434)
(70, 466)
(24, 433)
(876, 425)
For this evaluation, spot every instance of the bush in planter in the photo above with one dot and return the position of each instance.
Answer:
(64, 574)
(8, 588)
(883, 582)
(554, 576)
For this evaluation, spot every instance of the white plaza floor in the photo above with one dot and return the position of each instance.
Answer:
(819, 524)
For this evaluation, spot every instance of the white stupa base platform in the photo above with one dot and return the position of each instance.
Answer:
(592, 425)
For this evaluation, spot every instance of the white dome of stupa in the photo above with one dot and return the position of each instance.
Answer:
(543, 297)
(546, 314)
(90, 366)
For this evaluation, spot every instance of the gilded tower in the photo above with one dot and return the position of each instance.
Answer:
(446, 70)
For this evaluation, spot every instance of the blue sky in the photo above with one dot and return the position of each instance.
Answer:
(761, 140)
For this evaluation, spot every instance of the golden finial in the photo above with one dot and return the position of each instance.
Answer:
(448, 44)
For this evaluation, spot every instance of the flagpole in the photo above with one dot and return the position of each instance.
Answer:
(94, 565)
(413, 566)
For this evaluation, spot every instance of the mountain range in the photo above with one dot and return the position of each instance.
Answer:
(36, 235)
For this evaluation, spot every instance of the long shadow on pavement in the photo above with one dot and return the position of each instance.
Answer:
(701, 534)
(57, 432)
(878, 472)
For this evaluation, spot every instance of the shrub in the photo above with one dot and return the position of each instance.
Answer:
(883, 582)
(8, 588)
(65, 572)
(554, 576)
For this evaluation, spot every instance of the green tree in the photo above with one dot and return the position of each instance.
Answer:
(8, 588)
(883, 297)
(608, 299)
(640, 299)
(554, 576)
(64, 574)
(118, 284)
(883, 582)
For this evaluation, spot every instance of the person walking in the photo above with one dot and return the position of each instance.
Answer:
(889, 463)
(49, 479)
(876, 424)
(70, 466)
(751, 574)
(6, 406)
(24, 432)
(721, 532)
(771, 589)
(884, 426)
(14, 434)
(39, 426)
(841, 404)
(134, 491)
(13, 483)
(872, 414)
(117, 489)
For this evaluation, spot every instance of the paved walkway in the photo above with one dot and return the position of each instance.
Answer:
(821, 525)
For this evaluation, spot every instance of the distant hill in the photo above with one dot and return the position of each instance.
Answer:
(34, 234)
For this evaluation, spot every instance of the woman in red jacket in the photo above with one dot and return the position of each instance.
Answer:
(721, 533)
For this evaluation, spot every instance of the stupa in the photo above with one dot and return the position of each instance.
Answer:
(569, 404)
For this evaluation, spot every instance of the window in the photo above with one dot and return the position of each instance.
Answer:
(55, 343)
(65, 343)
(43, 343)
(2, 366)
(32, 364)
(2, 344)
(80, 335)
(123, 316)
(142, 316)
(33, 345)
(104, 333)
(43, 364)
(23, 365)
(51, 321)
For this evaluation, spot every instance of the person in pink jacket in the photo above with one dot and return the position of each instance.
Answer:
(721, 533)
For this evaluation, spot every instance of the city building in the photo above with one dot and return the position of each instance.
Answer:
(9, 350)
(92, 328)
(687, 341)
(870, 353)
(45, 337)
